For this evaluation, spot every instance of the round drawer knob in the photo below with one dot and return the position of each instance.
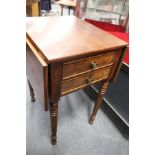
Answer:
(93, 65)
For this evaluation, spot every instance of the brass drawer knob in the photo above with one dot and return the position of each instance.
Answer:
(89, 80)
(93, 65)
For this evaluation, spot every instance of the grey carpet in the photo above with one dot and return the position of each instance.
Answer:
(75, 135)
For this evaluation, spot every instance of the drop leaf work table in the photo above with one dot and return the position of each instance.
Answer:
(65, 54)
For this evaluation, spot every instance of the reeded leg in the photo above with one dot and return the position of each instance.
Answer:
(31, 92)
(54, 115)
(99, 101)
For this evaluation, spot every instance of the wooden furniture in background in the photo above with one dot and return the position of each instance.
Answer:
(63, 60)
(71, 4)
(33, 7)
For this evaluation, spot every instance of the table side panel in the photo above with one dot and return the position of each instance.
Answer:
(37, 74)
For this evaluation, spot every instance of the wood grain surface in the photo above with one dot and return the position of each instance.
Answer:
(82, 80)
(81, 66)
(37, 74)
(64, 54)
(63, 37)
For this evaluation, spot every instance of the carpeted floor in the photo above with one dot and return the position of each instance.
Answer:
(107, 136)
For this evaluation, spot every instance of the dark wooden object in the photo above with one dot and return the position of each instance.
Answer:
(60, 61)
(33, 7)
(68, 3)
(102, 91)
(37, 73)
(31, 91)
(56, 75)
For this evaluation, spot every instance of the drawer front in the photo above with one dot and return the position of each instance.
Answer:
(81, 66)
(84, 80)
(37, 73)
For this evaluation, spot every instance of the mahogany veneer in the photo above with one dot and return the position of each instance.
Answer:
(65, 54)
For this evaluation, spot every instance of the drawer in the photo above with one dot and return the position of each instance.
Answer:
(84, 80)
(37, 73)
(81, 66)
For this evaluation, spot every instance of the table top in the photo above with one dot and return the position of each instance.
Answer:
(66, 2)
(62, 37)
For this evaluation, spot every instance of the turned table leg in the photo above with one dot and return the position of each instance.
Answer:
(31, 92)
(102, 91)
(55, 94)
(54, 115)
(69, 8)
(62, 6)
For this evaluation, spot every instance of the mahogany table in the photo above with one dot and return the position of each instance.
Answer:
(65, 54)
(71, 4)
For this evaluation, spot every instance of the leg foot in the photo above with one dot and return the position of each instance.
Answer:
(32, 99)
(91, 119)
(31, 92)
(53, 140)
(54, 114)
